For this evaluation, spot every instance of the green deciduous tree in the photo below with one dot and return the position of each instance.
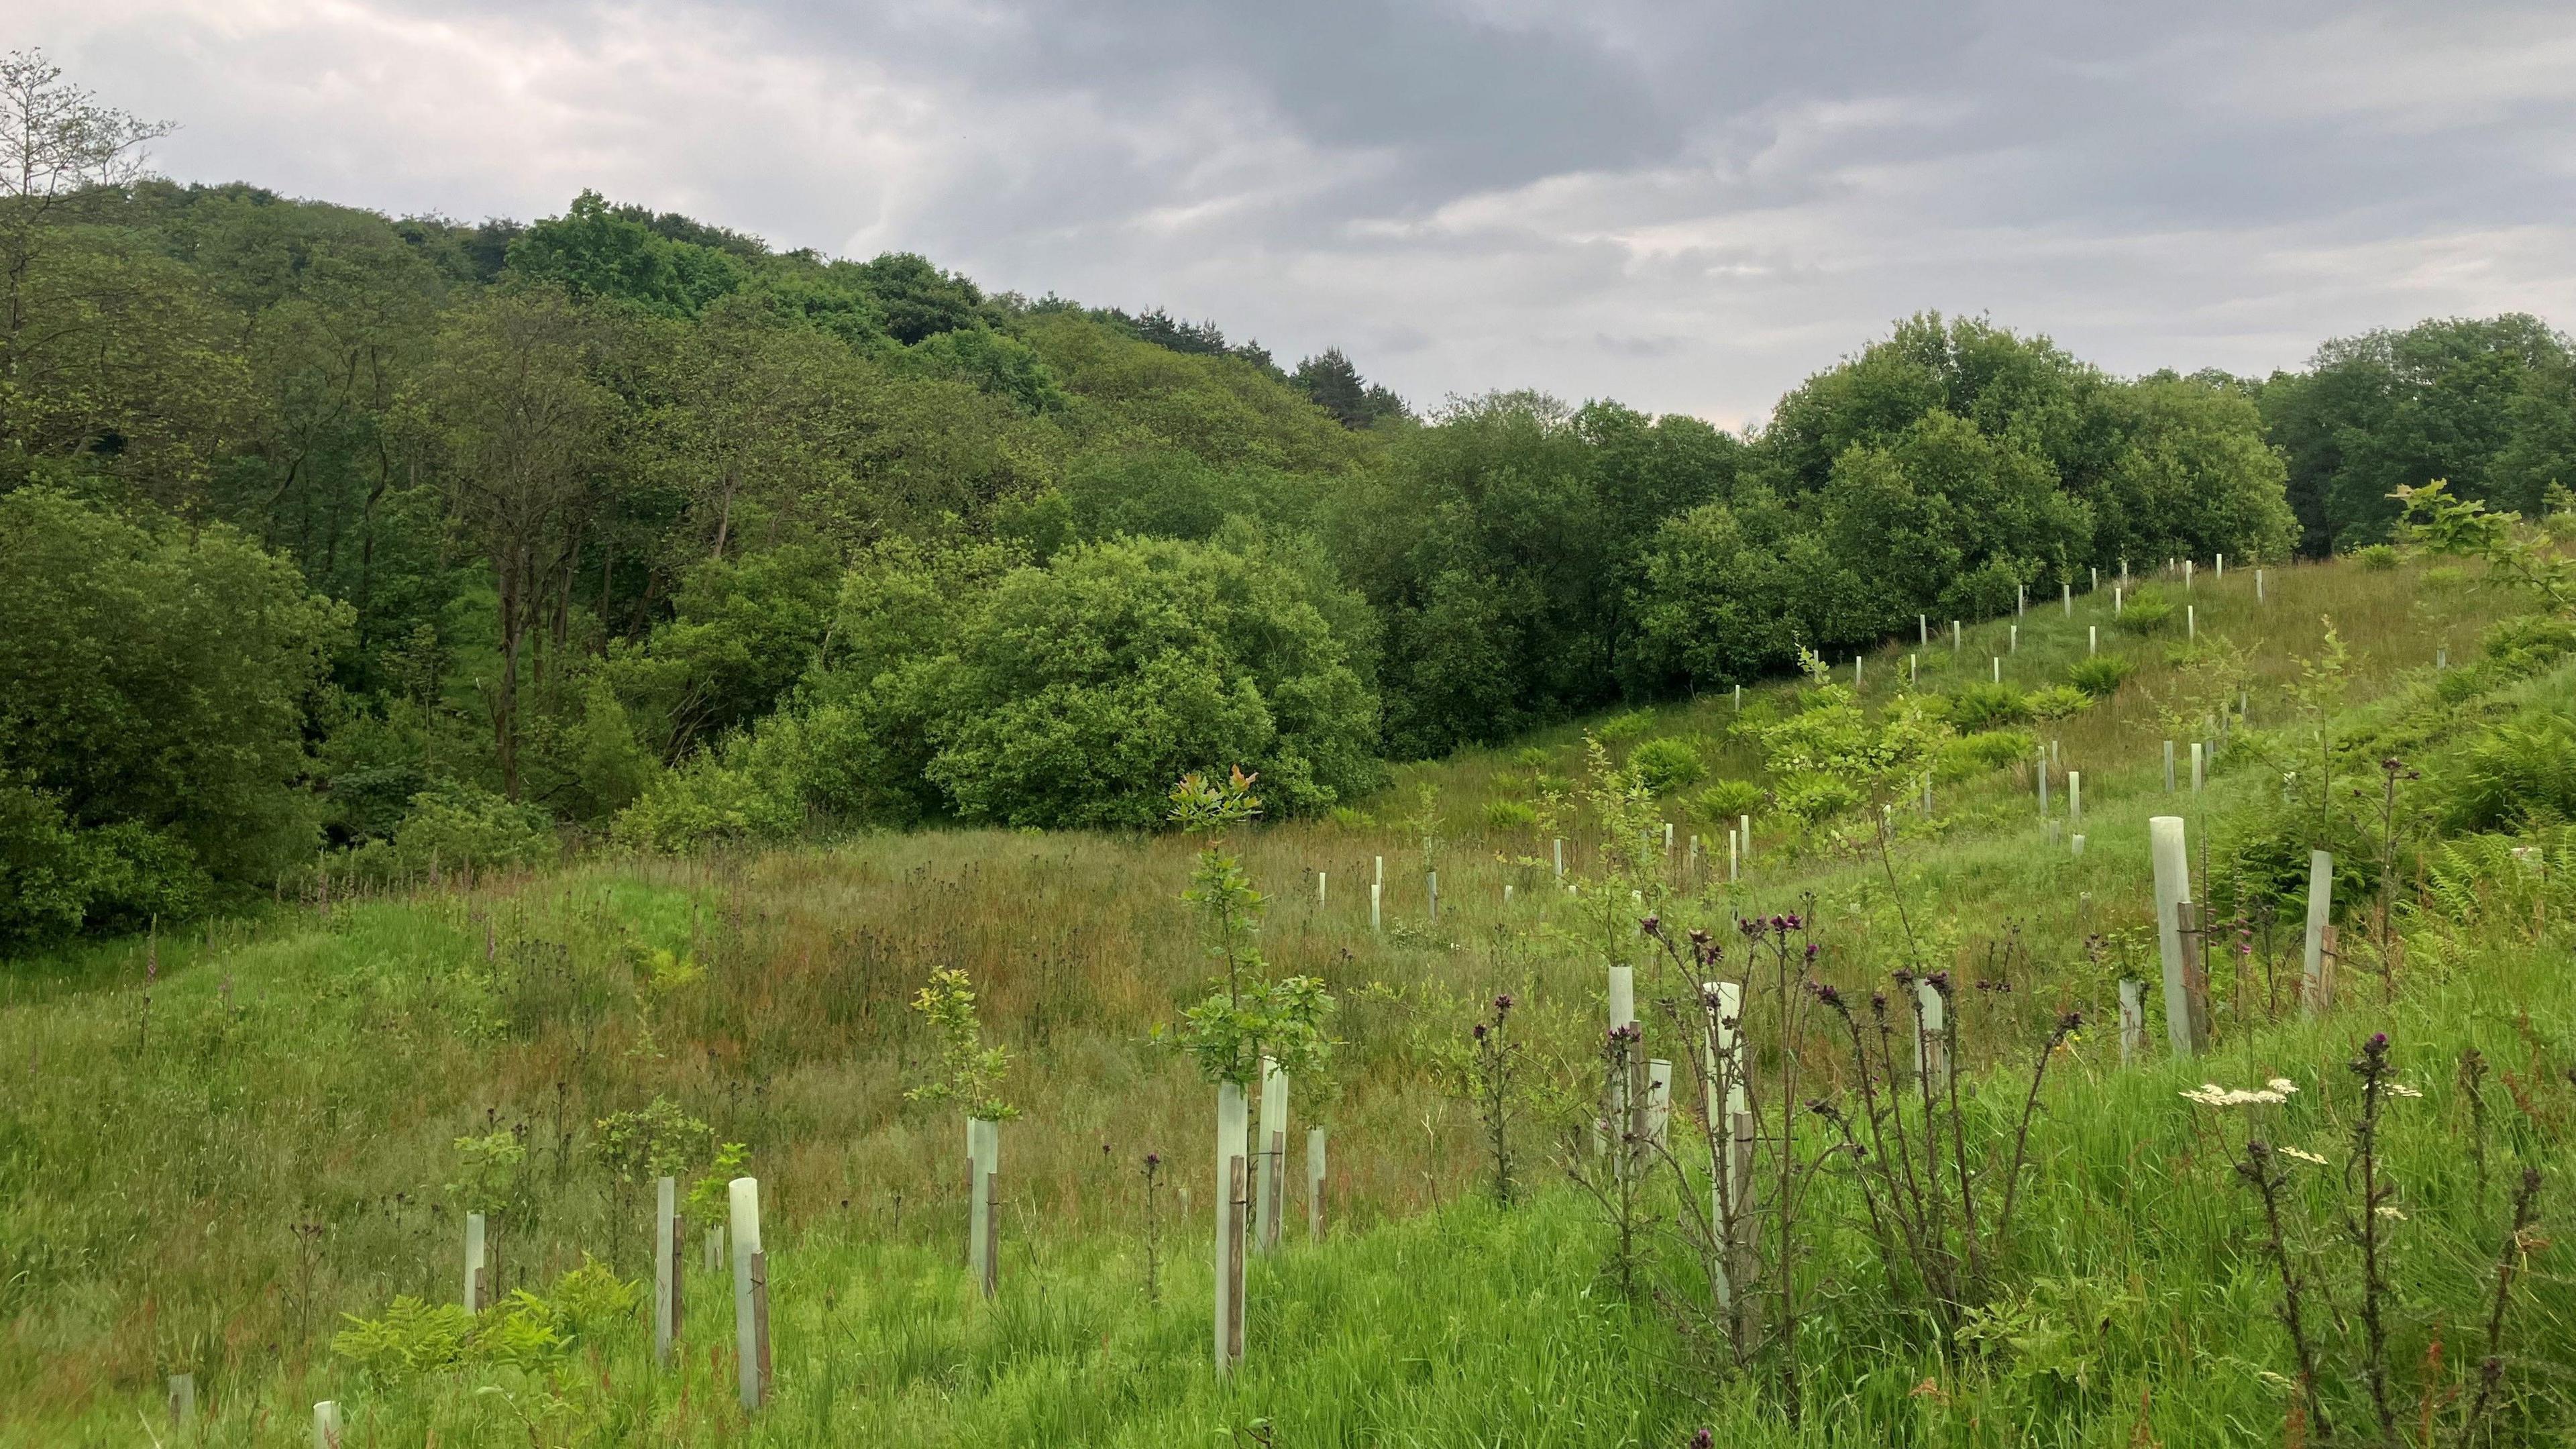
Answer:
(159, 683)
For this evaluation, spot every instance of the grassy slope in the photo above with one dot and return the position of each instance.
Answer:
(301, 1073)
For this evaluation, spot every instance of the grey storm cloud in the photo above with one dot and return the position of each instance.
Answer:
(1688, 206)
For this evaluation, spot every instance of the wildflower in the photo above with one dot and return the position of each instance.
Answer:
(1153, 1159)
(2070, 1021)
(2210, 1094)
(2303, 1156)
(2282, 1085)
(1480, 1031)
(1825, 993)
(2400, 1089)
(1811, 951)
(1652, 926)
(1502, 1003)
(2392, 1214)
(1703, 1440)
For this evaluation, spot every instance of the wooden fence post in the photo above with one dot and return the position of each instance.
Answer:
(2317, 983)
(2173, 890)
(750, 1293)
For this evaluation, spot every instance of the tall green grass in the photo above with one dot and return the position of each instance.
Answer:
(210, 1182)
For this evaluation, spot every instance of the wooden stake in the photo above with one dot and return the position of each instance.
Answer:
(1315, 1184)
(1234, 1209)
(2173, 890)
(2317, 985)
(750, 1293)
(2133, 1021)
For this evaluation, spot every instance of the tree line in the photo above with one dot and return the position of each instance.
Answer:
(400, 544)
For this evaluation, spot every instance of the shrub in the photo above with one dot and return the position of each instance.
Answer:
(2525, 645)
(1724, 800)
(2561, 527)
(1625, 726)
(1983, 706)
(2514, 774)
(459, 825)
(2057, 701)
(2145, 613)
(2101, 675)
(1983, 753)
(2376, 557)
(710, 800)
(1510, 814)
(1667, 764)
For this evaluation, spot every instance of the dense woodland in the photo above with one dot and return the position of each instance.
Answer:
(333, 543)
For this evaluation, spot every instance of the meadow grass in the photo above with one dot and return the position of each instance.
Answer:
(209, 1181)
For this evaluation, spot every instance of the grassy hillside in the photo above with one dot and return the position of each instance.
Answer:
(222, 1145)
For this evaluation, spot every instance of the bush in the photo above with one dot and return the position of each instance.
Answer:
(2101, 675)
(457, 825)
(1983, 753)
(1667, 764)
(1723, 801)
(2515, 774)
(1079, 691)
(2146, 613)
(2527, 644)
(2057, 701)
(1509, 815)
(1983, 706)
(1627, 726)
(713, 799)
(2561, 527)
(2376, 557)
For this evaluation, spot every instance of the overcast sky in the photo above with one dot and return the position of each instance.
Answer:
(1686, 206)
